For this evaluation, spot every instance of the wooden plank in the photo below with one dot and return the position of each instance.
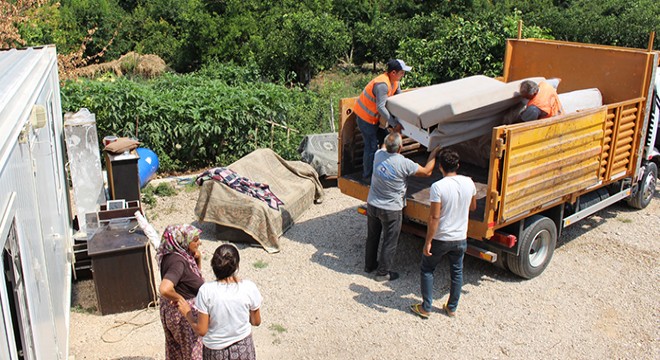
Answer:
(550, 160)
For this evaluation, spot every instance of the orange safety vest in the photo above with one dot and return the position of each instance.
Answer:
(365, 107)
(547, 100)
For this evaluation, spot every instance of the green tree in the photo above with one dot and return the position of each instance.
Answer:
(378, 40)
(44, 26)
(99, 19)
(175, 30)
(459, 47)
(302, 43)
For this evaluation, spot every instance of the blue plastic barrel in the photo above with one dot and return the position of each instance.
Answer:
(147, 165)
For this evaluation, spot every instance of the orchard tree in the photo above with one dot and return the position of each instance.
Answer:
(302, 43)
(459, 47)
(378, 40)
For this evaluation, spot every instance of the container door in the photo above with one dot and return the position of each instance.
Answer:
(16, 323)
(545, 162)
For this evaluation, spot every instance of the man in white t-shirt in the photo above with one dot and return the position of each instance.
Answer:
(452, 198)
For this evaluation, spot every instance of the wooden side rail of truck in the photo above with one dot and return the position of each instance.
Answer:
(547, 174)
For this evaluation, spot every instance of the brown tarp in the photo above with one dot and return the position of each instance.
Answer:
(294, 182)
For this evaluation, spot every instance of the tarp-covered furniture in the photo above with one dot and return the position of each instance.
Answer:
(294, 182)
(320, 151)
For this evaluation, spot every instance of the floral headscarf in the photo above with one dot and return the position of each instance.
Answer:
(175, 240)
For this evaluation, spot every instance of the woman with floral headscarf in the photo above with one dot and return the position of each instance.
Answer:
(179, 260)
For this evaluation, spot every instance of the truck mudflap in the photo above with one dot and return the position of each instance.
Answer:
(547, 160)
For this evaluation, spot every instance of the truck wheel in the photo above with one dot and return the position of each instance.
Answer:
(645, 187)
(537, 244)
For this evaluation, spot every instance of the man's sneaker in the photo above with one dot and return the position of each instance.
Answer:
(387, 277)
(447, 311)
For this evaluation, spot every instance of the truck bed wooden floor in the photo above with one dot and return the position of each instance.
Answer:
(419, 187)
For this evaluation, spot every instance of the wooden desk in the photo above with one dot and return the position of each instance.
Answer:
(122, 269)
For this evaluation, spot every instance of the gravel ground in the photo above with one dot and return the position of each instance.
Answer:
(598, 298)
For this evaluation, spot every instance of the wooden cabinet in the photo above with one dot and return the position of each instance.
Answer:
(122, 268)
(123, 175)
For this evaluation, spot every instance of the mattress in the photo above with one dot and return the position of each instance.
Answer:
(462, 100)
(581, 100)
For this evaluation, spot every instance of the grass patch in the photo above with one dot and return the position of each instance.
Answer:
(190, 187)
(81, 310)
(277, 328)
(625, 220)
(165, 189)
(260, 264)
(150, 192)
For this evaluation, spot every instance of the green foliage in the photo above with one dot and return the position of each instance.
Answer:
(302, 43)
(457, 47)
(190, 187)
(165, 189)
(230, 73)
(44, 26)
(192, 121)
(609, 22)
(83, 310)
(290, 41)
(150, 192)
(102, 18)
(175, 30)
(378, 40)
(148, 196)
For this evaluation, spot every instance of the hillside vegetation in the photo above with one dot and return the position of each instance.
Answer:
(236, 67)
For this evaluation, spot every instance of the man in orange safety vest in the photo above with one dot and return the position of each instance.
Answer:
(373, 117)
(543, 101)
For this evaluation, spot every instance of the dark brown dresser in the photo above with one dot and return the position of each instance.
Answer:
(122, 268)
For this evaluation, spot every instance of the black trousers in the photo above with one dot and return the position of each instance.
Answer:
(387, 223)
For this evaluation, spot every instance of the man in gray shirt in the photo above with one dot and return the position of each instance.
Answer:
(385, 203)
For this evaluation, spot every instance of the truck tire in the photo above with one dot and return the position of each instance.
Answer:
(645, 187)
(537, 244)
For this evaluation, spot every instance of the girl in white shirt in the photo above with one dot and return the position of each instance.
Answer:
(228, 307)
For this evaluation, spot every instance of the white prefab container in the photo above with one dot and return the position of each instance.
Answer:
(35, 225)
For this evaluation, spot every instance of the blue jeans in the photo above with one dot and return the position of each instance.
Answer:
(379, 221)
(373, 136)
(455, 251)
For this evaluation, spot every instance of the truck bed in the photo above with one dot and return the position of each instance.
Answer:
(419, 187)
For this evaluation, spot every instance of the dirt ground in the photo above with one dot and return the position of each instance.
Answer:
(598, 298)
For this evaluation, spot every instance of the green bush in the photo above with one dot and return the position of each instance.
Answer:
(193, 121)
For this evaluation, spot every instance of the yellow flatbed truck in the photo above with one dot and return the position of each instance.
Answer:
(547, 174)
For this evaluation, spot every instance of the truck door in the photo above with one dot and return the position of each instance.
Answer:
(546, 161)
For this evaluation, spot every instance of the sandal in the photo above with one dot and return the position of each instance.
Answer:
(417, 309)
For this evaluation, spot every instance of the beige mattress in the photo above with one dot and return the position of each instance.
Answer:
(464, 99)
(457, 110)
